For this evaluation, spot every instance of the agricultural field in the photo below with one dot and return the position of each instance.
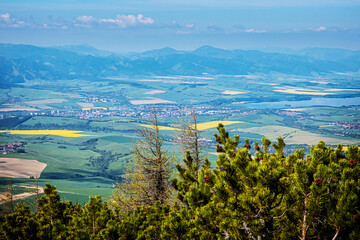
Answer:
(20, 168)
(62, 133)
(232, 92)
(150, 101)
(44, 104)
(293, 135)
(302, 91)
(17, 109)
(200, 126)
(82, 131)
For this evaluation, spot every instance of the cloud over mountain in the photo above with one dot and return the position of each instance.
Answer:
(121, 21)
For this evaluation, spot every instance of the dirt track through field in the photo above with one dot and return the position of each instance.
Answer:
(5, 199)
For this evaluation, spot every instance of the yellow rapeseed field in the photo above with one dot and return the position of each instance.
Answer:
(303, 91)
(93, 108)
(160, 127)
(232, 92)
(212, 124)
(61, 133)
(200, 126)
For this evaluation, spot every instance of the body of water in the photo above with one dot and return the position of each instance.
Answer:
(333, 102)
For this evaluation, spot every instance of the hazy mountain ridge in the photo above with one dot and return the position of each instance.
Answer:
(21, 62)
(85, 50)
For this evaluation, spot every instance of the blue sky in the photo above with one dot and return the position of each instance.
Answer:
(138, 25)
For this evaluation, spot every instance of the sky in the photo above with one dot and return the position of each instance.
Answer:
(138, 25)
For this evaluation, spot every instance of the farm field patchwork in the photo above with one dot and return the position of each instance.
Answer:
(61, 133)
(200, 126)
(70, 155)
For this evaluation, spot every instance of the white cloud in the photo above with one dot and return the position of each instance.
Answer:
(327, 29)
(125, 21)
(19, 24)
(7, 21)
(122, 21)
(86, 19)
(251, 30)
(238, 28)
(5, 17)
(181, 27)
(320, 29)
(145, 20)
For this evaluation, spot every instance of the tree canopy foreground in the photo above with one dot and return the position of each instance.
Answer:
(246, 196)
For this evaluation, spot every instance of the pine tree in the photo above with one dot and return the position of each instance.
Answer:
(273, 196)
(36, 191)
(189, 138)
(148, 180)
(324, 200)
(249, 191)
(50, 215)
(92, 220)
(20, 224)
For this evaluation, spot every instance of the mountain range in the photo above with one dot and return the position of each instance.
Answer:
(20, 62)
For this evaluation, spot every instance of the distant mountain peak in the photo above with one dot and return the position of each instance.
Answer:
(208, 48)
(85, 49)
(162, 50)
(156, 53)
(211, 51)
